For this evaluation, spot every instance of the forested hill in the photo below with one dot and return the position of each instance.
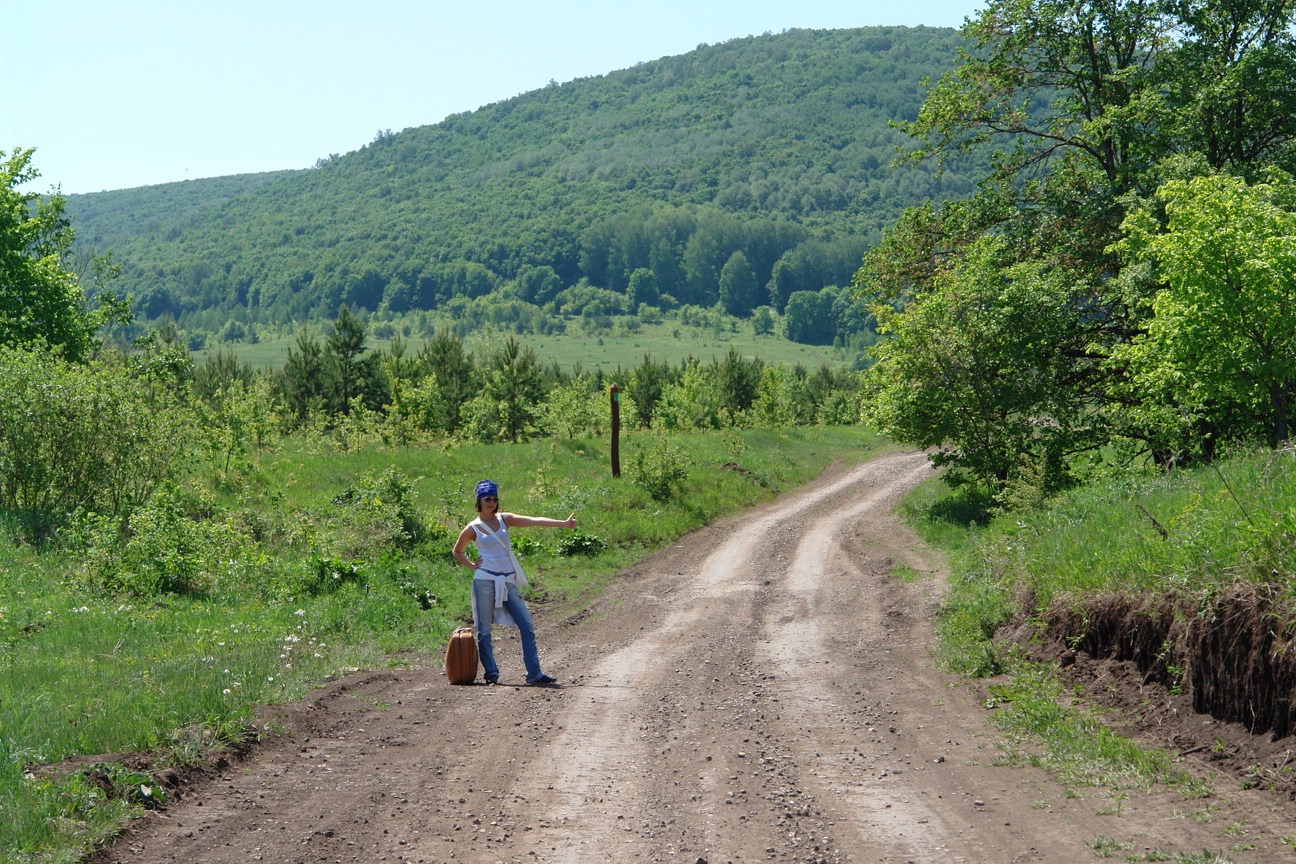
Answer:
(776, 147)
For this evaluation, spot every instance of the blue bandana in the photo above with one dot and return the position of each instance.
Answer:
(487, 487)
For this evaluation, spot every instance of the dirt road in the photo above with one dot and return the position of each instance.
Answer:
(762, 691)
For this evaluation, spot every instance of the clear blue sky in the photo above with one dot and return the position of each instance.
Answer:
(121, 93)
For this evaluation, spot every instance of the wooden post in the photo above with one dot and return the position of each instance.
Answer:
(616, 430)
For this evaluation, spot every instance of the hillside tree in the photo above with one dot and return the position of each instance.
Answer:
(809, 318)
(738, 286)
(644, 289)
(41, 300)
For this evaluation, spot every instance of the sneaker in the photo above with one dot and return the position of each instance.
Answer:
(492, 679)
(542, 680)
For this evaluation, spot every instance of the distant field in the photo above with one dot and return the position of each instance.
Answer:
(669, 341)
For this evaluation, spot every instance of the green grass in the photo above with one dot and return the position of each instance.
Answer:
(1189, 534)
(1071, 742)
(1233, 523)
(309, 577)
(669, 341)
(904, 574)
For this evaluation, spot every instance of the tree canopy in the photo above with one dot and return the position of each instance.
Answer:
(1144, 118)
(1222, 330)
(41, 301)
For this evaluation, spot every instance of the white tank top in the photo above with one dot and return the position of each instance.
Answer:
(494, 549)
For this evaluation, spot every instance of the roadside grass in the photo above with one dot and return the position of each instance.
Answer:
(1044, 727)
(310, 564)
(1188, 534)
(1107, 847)
(1181, 533)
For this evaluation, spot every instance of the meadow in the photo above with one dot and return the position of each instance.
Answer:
(622, 346)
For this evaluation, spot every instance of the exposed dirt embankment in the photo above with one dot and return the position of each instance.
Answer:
(1176, 667)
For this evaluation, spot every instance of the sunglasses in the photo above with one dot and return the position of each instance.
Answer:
(490, 498)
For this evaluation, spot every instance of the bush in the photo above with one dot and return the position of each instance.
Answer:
(659, 466)
(526, 544)
(164, 549)
(80, 438)
(381, 509)
(577, 543)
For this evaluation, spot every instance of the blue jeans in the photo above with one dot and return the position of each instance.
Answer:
(484, 602)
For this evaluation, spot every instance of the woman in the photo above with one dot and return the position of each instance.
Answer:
(497, 579)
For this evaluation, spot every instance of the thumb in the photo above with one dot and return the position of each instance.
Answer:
(572, 518)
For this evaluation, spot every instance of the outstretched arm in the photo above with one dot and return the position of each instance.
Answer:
(514, 520)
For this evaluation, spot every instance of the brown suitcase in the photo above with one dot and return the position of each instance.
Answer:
(461, 657)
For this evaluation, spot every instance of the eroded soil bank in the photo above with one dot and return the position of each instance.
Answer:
(1217, 679)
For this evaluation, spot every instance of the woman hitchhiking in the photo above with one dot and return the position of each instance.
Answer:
(498, 578)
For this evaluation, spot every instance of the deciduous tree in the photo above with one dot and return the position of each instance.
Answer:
(809, 318)
(40, 299)
(1088, 108)
(1223, 327)
(738, 286)
(978, 367)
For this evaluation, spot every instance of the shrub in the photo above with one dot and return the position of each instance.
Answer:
(693, 402)
(659, 466)
(89, 438)
(164, 550)
(577, 543)
(526, 544)
(382, 511)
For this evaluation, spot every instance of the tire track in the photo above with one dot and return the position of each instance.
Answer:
(609, 762)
